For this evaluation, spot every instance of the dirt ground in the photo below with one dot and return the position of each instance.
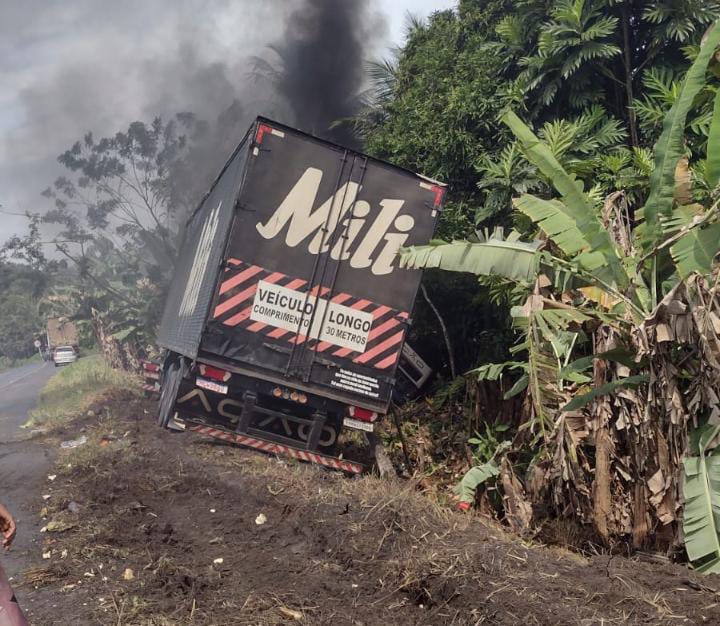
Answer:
(148, 527)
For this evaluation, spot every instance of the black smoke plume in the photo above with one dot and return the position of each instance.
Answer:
(319, 68)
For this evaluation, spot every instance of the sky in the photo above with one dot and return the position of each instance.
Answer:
(72, 66)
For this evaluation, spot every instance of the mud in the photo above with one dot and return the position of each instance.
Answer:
(164, 529)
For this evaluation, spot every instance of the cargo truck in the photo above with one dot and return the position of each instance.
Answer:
(62, 340)
(61, 332)
(287, 314)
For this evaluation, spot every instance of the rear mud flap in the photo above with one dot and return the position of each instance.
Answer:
(271, 447)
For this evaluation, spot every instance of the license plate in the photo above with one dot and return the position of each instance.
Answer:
(211, 385)
(358, 425)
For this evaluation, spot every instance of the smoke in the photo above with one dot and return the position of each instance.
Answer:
(97, 65)
(321, 54)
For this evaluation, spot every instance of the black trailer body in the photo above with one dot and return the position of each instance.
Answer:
(288, 277)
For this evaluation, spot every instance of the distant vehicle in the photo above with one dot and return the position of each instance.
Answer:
(64, 355)
(61, 332)
(286, 319)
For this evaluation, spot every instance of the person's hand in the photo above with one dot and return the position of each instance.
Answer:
(8, 527)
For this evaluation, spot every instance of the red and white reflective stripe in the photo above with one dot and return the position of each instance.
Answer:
(149, 366)
(240, 278)
(147, 387)
(264, 129)
(245, 313)
(380, 348)
(151, 375)
(235, 302)
(438, 190)
(276, 448)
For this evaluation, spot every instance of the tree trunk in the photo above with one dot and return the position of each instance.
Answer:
(601, 484)
(629, 92)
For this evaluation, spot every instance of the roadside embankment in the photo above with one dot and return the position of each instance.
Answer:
(146, 527)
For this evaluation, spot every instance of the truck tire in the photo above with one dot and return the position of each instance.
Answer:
(168, 393)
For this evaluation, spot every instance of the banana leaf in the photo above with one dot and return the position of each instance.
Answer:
(474, 478)
(580, 401)
(575, 221)
(712, 166)
(124, 334)
(669, 148)
(521, 384)
(696, 250)
(552, 218)
(701, 513)
(495, 371)
(618, 355)
(542, 157)
(514, 260)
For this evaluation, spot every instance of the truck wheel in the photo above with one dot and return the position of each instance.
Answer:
(168, 394)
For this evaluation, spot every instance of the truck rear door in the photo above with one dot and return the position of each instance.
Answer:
(310, 288)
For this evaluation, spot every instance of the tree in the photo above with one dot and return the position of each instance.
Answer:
(585, 52)
(120, 211)
(122, 187)
(20, 324)
(437, 105)
(436, 108)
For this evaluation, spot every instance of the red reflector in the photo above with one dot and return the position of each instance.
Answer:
(261, 131)
(364, 415)
(214, 373)
(439, 192)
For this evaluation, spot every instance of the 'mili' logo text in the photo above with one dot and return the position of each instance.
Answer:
(389, 231)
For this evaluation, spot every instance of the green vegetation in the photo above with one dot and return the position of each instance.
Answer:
(592, 78)
(116, 213)
(75, 388)
(20, 320)
(617, 341)
(7, 363)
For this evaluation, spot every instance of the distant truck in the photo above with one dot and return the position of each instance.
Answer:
(286, 318)
(60, 333)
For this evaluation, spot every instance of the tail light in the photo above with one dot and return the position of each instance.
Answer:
(286, 394)
(214, 373)
(364, 415)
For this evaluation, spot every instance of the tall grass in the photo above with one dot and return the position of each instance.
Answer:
(70, 393)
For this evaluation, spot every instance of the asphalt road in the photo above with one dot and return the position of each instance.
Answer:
(24, 466)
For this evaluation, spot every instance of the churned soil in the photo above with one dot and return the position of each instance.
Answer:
(149, 527)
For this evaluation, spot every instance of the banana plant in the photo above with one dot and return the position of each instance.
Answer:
(596, 281)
